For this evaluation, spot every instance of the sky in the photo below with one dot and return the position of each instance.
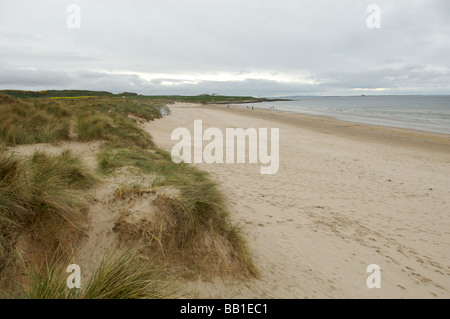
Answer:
(228, 47)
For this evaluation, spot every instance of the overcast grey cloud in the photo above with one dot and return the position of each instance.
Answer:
(247, 47)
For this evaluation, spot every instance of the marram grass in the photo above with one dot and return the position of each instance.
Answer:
(42, 193)
(122, 274)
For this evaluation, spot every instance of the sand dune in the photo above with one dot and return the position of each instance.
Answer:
(345, 196)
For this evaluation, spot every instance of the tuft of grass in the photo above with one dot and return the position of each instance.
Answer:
(45, 282)
(41, 198)
(94, 126)
(67, 167)
(129, 134)
(125, 274)
(9, 169)
(28, 122)
(116, 128)
(114, 157)
(45, 186)
(122, 274)
(147, 110)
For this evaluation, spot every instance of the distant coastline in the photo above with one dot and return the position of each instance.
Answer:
(201, 98)
(418, 112)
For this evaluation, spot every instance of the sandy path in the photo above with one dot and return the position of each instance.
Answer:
(337, 204)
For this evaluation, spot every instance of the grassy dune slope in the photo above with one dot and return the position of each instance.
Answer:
(184, 230)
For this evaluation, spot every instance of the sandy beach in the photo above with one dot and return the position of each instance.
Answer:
(345, 196)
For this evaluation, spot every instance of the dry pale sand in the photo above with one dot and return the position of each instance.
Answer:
(345, 196)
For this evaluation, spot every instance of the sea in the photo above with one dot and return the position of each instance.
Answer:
(425, 113)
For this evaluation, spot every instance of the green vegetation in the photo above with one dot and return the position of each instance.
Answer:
(29, 122)
(41, 187)
(199, 209)
(71, 94)
(123, 274)
(70, 97)
(40, 199)
(204, 98)
(103, 122)
(55, 93)
(43, 204)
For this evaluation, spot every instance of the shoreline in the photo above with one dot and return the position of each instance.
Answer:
(359, 131)
(345, 196)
